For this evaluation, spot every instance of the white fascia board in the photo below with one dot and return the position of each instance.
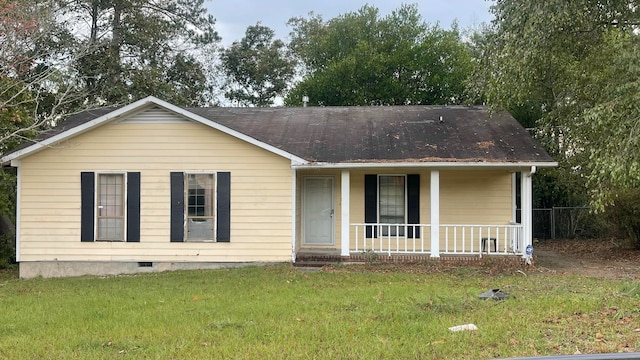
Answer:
(467, 165)
(137, 106)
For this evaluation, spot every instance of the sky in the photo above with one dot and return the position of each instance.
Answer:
(233, 17)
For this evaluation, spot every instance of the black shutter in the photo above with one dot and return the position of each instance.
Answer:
(177, 207)
(371, 203)
(133, 207)
(223, 203)
(413, 204)
(87, 206)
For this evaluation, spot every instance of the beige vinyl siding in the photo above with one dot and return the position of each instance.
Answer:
(261, 193)
(475, 197)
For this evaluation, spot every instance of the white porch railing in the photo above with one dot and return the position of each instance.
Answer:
(454, 239)
(392, 238)
(474, 239)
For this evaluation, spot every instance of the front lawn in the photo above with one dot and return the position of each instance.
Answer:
(281, 312)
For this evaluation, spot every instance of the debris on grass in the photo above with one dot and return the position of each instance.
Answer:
(495, 294)
(465, 327)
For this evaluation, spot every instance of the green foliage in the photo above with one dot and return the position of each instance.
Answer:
(16, 112)
(7, 193)
(7, 251)
(137, 48)
(361, 58)
(279, 311)
(611, 126)
(624, 214)
(558, 187)
(23, 93)
(631, 289)
(7, 218)
(575, 64)
(258, 68)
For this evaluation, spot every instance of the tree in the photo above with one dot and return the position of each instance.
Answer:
(36, 88)
(258, 68)
(575, 64)
(20, 23)
(361, 58)
(141, 48)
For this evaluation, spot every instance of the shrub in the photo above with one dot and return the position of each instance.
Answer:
(7, 250)
(624, 215)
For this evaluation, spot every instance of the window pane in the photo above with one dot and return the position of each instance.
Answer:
(110, 202)
(200, 206)
(110, 229)
(392, 204)
(200, 229)
(392, 198)
(110, 207)
(200, 197)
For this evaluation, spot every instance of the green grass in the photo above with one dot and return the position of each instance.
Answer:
(279, 312)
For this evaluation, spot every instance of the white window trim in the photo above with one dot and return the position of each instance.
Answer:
(96, 201)
(186, 205)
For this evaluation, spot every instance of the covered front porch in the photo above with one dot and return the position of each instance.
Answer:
(445, 212)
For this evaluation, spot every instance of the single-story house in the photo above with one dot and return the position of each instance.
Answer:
(152, 186)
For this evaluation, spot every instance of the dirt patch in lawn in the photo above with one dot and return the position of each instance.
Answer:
(602, 258)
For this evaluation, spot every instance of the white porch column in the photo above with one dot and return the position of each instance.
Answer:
(514, 203)
(434, 195)
(294, 213)
(526, 208)
(345, 192)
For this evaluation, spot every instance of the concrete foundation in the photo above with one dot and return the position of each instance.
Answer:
(47, 269)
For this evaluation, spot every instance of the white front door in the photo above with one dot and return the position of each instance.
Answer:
(318, 211)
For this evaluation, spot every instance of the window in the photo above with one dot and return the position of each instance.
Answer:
(200, 206)
(392, 209)
(110, 207)
(392, 199)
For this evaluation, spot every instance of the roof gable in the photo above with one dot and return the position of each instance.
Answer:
(91, 119)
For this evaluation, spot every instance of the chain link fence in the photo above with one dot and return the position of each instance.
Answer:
(567, 223)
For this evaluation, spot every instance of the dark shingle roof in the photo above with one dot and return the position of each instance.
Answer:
(373, 134)
(387, 134)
